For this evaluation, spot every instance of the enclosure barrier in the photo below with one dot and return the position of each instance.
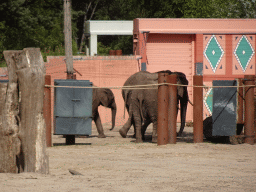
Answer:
(162, 122)
(198, 109)
(167, 123)
(172, 109)
(47, 111)
(249, 109)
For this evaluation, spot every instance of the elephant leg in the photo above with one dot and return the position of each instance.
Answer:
(183, 111)
(154, 133)
(99, 125)
(138, 125)
(138, 131)
(124, 130)
(144, 128)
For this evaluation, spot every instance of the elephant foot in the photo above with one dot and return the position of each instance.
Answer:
(122, 133)
(154, 139)
(101, 136)
(138, 140)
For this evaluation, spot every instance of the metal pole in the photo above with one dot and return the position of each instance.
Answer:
(162, 120)
(70, 139)
(68, 36)
(47, 111)
(240, 102)
(172, 109)
(240, 107)
(198, 109)
(249, 110)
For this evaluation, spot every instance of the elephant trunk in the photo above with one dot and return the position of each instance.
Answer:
(113, 111)
(183, 111)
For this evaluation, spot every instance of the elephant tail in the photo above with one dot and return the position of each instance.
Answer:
(140, 97)
(113, 111)
(124, 104)
(190, 102)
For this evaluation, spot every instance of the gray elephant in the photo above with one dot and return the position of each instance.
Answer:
(106, 98)
(141, 104)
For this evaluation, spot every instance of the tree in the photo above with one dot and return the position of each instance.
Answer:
(219, 9)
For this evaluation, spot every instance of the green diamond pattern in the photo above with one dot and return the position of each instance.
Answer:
(208, 100)
(213, 52)
(244, 52)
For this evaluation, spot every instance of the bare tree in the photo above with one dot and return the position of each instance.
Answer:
(88, 7)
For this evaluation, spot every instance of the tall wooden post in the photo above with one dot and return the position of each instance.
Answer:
(70, 139)
(249, 110)
(162, 119)
(47, 111)
(172, 108)
(198, 109)
(68, 36)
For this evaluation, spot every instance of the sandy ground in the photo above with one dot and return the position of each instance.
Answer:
(119, 164)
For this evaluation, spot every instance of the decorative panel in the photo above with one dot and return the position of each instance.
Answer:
(214, 55)
(207, 102)
(243, 47)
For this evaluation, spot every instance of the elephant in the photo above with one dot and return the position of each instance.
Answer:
(207, 131)
(141, 104)
(106, 98)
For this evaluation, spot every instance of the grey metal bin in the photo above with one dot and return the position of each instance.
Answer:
(224, 108)
(72, 107)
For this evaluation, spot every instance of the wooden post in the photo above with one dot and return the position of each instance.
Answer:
(47, 111)
(198, 109)
(172, 108)
(162, 119)
(24, 121)
(68, 36)
(249, 110)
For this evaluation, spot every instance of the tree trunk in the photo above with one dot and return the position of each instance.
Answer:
(23, 115)
(9, 141)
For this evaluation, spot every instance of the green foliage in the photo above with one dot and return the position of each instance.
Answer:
(219, 9)
(102, 49)
(37, 23)
(33, 23)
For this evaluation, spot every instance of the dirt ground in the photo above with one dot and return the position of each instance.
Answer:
(118, 164)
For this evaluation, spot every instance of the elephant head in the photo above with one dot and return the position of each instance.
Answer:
(106, 98)
(182, 96)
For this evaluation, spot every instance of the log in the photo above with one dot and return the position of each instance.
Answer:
(27, 123)
(9, 141)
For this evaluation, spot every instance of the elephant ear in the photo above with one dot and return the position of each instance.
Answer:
(107, 97)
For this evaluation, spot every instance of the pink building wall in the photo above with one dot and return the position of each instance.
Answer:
(107, 71)
(173, 47)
